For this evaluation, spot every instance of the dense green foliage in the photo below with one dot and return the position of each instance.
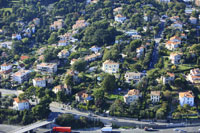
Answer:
(99, 33)
(69, 120)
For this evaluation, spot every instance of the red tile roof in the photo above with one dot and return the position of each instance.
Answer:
(18, 101)
(24, 57)
(188, 94)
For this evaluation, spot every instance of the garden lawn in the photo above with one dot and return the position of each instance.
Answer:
(114, 97)
(184, 67)
(165, 61)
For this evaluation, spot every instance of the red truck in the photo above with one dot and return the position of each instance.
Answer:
(62, 129)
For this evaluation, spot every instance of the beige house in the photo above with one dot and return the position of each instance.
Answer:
(63, 54)
(135, 76)
(117, 10)
(67, 89)
(168, 78)
(173, 43)
(80, 24)
(132, 96)
(194, 76)
(47, 67)
(155, 96)
(66, 39)
(63, 43)
(57, 25)
(136, 37)
(175, 58)
(21, 76)
(92, 57)
(110, 67)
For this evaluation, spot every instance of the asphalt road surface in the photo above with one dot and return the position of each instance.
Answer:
(108, 120)
(170, 130)
(7, 128)
(9, 92)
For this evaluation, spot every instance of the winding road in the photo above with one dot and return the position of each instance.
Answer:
(157, 39)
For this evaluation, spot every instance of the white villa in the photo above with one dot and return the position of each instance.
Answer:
(110, 67)
(155, 96)
(39, 82)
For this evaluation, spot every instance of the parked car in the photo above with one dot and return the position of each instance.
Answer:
(176, 130)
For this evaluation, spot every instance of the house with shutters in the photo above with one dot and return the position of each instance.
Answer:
(47, 67)
(175, 58)
(155, 96)
(110, 66)
(186, 98)
(134, 76)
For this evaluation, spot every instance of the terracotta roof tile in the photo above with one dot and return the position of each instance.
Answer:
(156, 93)
(24, 57)
(133, 92)
(18, 101)
(188, 94)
